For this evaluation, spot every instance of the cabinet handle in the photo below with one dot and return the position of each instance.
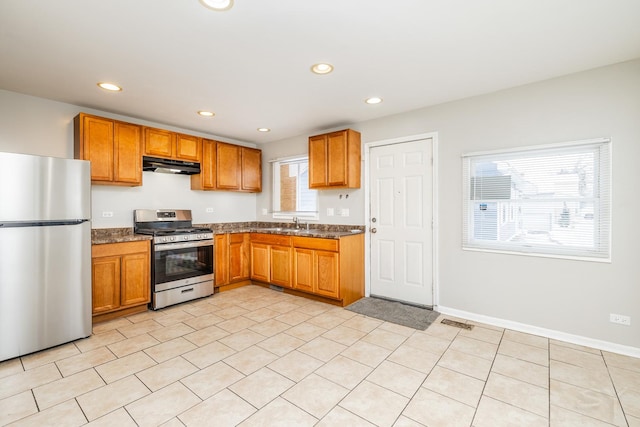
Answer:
(374, 230)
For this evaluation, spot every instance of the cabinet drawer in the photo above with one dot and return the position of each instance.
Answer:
(236, 237)
(316, 243)
(117, 249)
(271, 239)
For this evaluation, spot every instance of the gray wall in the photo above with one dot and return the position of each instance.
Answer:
(572, 297)
(39, 126)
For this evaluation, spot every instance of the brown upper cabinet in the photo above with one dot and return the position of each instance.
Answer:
(334, 160)
(206, 179)
(227, 166)
(114, 149)
(171, 145)
(251, 169)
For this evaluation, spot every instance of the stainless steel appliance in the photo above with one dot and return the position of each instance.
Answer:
(182, 256)
(45, 252)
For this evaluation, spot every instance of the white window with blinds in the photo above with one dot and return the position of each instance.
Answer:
(551, 200)
(292, 196)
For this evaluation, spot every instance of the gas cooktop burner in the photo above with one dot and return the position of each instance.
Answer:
(168, 226)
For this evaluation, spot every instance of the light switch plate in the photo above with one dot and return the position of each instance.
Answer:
(330, 212)
(344, 212)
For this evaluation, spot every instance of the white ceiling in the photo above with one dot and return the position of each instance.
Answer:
(250, 65)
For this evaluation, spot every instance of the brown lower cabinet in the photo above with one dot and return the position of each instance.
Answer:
(316, 271)
(271, 259)
(120, 278)
(232, 258)
(329, 268)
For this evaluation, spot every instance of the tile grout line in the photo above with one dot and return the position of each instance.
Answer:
(615, 389)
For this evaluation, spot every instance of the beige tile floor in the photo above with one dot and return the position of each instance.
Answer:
(257, 357)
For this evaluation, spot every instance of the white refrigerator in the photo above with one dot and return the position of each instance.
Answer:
(45, 252)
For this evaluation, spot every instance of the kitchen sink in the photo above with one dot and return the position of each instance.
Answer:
(286, 230)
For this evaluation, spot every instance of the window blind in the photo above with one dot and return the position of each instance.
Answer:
(551, 200)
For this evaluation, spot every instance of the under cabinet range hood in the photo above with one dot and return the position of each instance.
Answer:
(156, 164)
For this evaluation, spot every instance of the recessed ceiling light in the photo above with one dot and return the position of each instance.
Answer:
(322, 68)
(206, 113)
(373, 100)
(264, 130)
(217, 5)
(110, 86)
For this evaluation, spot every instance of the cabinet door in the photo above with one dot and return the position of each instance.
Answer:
(280, 257)
(136, 288)
(260, 262)
(105, 279)
(158, 142)
(303, 269)
(251, 169)
(206, 179)
(326, 274)
(228, 166)
(222, 259)
(97, 135)
(238, 257)
(337, 158)
(127, 153)
(317, 161)
(188, 147)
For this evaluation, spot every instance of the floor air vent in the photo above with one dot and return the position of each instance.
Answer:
(456, 324)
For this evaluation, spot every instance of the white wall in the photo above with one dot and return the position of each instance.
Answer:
(39, 126)
(572, 297)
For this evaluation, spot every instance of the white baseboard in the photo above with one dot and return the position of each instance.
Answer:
(548, 333)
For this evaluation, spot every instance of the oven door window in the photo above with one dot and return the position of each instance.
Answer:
(177, 264)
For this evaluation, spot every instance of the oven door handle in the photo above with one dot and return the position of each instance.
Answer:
(182, 245)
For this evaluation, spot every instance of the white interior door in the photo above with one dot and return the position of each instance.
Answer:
(401, 188)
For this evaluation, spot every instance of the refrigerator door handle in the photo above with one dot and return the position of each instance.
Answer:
(50, 223)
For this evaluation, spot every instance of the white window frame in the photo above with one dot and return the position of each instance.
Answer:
(601, 249)
(277, 213)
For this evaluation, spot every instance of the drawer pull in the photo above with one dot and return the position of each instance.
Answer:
(186, 290)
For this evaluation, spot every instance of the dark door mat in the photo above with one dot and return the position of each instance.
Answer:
(395, 312)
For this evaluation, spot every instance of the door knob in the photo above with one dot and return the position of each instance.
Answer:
(373, 230)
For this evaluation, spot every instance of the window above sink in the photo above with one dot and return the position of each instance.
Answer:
(291, 194)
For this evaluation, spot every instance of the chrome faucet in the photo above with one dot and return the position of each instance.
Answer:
(296, 221)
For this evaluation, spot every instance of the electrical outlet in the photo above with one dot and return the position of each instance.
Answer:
(209, 210)
(107, 214)
(620, 319)
(344, 212)
(265, 211)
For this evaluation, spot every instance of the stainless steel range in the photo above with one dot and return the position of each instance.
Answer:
(182, 256)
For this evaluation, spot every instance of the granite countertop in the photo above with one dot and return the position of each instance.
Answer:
(326, 231)
(100, 236)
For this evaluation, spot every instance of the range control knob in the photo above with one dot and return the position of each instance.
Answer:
(185, 237)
